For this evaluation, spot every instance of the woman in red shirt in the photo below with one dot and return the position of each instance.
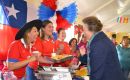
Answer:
(47, 48)
(48, 43)
(20, 51)
(62, 47)
(74, 51)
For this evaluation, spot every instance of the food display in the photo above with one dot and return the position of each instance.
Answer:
(81, 72)
(61, 58)
(53, 73)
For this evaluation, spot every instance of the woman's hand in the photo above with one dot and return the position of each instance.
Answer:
(32, 58)
(37, 54)
(60, 49)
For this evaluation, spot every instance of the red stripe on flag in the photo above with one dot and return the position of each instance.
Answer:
(7, 35)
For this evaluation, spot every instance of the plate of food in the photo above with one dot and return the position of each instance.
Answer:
(61, 58)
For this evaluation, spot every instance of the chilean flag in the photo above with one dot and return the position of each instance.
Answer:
(13, 15)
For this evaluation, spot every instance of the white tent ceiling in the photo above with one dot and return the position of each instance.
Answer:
(107, 11)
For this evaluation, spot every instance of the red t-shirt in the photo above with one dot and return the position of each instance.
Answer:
(66, 50)
(38, 46)
(48, 48)
(18, 52)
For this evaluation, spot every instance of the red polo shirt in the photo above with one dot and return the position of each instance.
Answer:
(48, 48)
(36, 47)
(66, 50)
(18, 52)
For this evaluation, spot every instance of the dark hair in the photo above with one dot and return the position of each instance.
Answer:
(44, 24)
(60, 29)
(93, 23)
(72, 40)
(113, 35)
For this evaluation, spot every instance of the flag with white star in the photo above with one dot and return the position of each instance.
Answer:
(15, 11)
(13, 15)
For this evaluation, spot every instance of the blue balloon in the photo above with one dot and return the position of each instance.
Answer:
(45, 12)
(69, 13)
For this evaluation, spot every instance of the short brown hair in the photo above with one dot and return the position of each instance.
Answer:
(125, 37)
(94, 24)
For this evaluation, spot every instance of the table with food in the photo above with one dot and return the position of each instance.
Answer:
(73, 72)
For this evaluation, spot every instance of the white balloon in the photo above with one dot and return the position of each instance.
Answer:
(63, 3)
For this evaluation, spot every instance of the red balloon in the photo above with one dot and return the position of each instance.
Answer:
(50, 3)
(61, 22)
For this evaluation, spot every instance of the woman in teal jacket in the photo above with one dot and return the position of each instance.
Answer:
(123, 51)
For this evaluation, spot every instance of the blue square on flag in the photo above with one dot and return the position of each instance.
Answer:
(15, 12)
